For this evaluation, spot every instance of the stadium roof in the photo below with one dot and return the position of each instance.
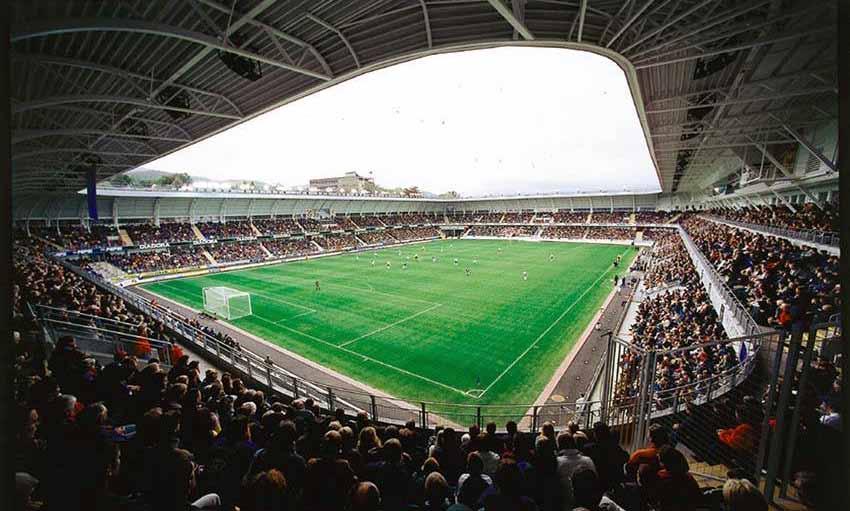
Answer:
(119, 84)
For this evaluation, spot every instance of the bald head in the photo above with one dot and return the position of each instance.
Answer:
(365, 497)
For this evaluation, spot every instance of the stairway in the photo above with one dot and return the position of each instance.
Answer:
(255, 230)
(632, 219)
(674, 219)
(197, 232)
(107, 270)
(264, 249)
(207, 254)
(589, 217)
(125, 238)
(639, 236)
(318, 247)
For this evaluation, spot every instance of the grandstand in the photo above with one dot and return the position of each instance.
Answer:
(259, 350)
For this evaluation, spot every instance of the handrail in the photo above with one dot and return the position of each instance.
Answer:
(830, 238)
(731, 301)
(257, 369)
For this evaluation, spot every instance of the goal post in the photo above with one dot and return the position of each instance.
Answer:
(227, 303)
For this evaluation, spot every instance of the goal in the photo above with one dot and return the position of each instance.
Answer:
(227, 303)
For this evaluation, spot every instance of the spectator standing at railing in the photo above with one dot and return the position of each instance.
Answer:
(658, 438)
(607, 456)
(142, 348)
(570, 460)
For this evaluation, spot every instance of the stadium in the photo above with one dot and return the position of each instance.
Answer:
(179, 343)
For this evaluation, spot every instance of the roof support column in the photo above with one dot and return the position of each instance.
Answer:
(809, 147)
(786, 172)
(508, 14)
(783, 200)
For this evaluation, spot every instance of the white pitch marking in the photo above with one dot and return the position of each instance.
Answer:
(402, 320)
(365, 357)
(557, 320)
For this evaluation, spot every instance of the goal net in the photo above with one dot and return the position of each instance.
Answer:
(227, 303)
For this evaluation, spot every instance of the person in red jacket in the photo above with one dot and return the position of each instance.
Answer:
(673, 488)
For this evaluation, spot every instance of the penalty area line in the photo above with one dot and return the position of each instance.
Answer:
(365, 357)
(385, 327)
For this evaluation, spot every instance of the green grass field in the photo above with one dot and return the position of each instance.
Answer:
(429, 332)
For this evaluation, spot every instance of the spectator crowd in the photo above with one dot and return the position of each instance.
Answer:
(170, 232)
(806, 216)
(782, 285)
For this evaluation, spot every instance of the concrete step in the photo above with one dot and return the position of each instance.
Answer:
(125, 238)
(197, 232)
(208, 255)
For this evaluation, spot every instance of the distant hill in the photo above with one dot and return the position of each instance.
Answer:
(143, 174)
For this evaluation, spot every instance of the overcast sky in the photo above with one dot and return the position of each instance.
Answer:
(498, 121)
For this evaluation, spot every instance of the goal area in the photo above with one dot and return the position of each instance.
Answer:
(227, 303)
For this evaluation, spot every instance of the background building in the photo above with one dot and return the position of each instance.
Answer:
(349, 181)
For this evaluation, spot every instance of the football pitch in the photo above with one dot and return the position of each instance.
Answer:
(429, 332)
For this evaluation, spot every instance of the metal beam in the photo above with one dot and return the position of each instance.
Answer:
(39, 152)
(582, 9)
(132, 79)
(742, 101)
(518, 7)
(722, 33)
(508, 15)
(752, 83)
(630, 22)
(763, 42)
(278, 33)
(97, 98)
(668, 24)
(779, 166)
(75, 25)
(427, 23)
(339, 34)
(691, 31)
(808, 145)
(783, 200)
(719, 146)
(24, 135)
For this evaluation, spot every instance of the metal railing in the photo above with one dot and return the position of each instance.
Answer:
(731, 307)
(829, 238)
(625, 413)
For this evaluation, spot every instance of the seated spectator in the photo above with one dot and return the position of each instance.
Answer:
(280, 455)
(448, 454)
(508, 490)
(391, 475)
(588, 492)
(328, 478)
(437, 493)
(266, 490)
(607, 456)
(742, 495)
(648, 456)
(474, 482)
(175, 484)
(365, 496)
(569, 461)
(672, 487)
